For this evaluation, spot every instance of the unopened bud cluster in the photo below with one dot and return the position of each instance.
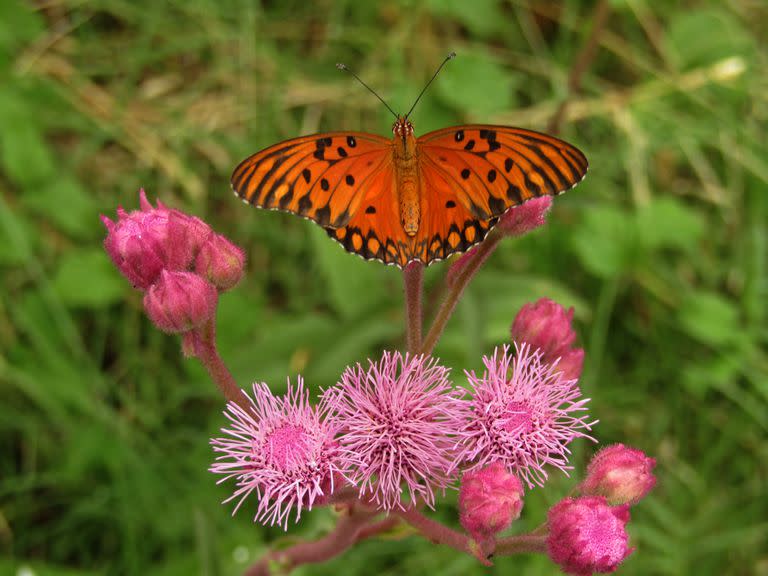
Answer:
(179, 262)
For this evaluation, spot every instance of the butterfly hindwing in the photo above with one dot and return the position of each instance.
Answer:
(318, 176)
(493, 168)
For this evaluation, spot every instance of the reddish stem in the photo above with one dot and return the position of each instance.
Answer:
(459, 282)
(441, 534)
(202, 344)
(413, 278)
(521, 544)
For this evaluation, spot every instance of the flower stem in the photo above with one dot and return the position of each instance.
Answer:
(347, 532)
(442, 534)
(460, 282)
(413, 278)
(202, 344)
(521, 544)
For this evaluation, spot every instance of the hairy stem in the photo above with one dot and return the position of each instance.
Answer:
(413, 278)
(202, 344)
(441, 534)
(456, 289)
(347, 532)
(521, 544)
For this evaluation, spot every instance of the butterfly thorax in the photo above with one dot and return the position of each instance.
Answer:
(406, 169)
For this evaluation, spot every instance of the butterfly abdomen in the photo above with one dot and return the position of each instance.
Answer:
(407, 174)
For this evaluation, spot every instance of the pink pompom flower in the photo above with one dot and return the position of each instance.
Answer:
(526, 217)
(395, 421)
(180, 301)
(490, 499)
(523, 414)
(281, 448)
(586, 535)
(546, 325)
(623, 475)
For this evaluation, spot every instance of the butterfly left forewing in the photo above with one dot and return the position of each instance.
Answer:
(316, 176)
(492, 168)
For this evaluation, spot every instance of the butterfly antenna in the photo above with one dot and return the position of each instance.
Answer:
(450, 56)
(341, 66)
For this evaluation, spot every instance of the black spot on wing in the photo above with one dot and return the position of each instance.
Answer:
(323, 216)
(305, 204)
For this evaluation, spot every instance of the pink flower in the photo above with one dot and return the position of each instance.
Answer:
(395, 421)
(489, 501)
(221, 262)
(586, 535)
(546, 325)
(623, 475)
(144, 242)
(528, 216)
(523, 414)
(282, 448)
(180, 301)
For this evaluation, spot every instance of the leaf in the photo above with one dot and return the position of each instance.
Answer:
(605, 241)
(700, 37)
(668, 223)
(354, 285)
(481, 17)
(65, 203)
(86, 278)
(478, 84)
(710, 318)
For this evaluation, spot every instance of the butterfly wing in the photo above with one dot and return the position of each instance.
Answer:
(492, 168)
(323, 177)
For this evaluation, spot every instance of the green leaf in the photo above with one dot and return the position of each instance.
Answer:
(354, 286)
(605, 241)
(668, 223)
(87, 278)
(482, 17)
(476, 83)
(710, 318)
(65, 203)
(701, 37)
(25, 156)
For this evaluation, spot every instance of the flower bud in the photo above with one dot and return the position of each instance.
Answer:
(180, 301)
(587, 535)
(221, 262)
(520, 220)
(186, 236)
(490, 499)
(623, 475)
(546, 325)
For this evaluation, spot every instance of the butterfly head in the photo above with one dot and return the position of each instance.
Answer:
(402, 127)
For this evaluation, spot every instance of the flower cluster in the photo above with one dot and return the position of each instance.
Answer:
(179, 262)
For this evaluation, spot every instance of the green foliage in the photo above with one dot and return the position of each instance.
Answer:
(662, 251)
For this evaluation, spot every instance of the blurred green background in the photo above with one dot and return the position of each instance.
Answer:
(662, 250)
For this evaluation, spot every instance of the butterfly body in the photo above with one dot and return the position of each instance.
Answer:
(409, 198)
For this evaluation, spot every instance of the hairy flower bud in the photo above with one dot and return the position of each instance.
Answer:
(489, 500)
(520, 220)
(623, 475)
(221, 262)
(546, 325)
(587, 535)
(180, 301)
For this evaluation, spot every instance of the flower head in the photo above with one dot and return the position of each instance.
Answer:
(523, 414)
(528, 216)
(623, 475)
(587, 535)
(395, 427)
(490, 499)
(546, 325)
(282, 448)
(180, 301)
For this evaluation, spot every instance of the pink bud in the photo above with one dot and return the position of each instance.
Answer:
(520, 220)
(587, 535)
(221, 262)
(180, 301)
(623, 475)
(546, 325)
(490, 499)
(186, 236)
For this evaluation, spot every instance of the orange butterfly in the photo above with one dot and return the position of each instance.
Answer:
(409, 198)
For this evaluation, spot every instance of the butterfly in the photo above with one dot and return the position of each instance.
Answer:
(409, 199)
